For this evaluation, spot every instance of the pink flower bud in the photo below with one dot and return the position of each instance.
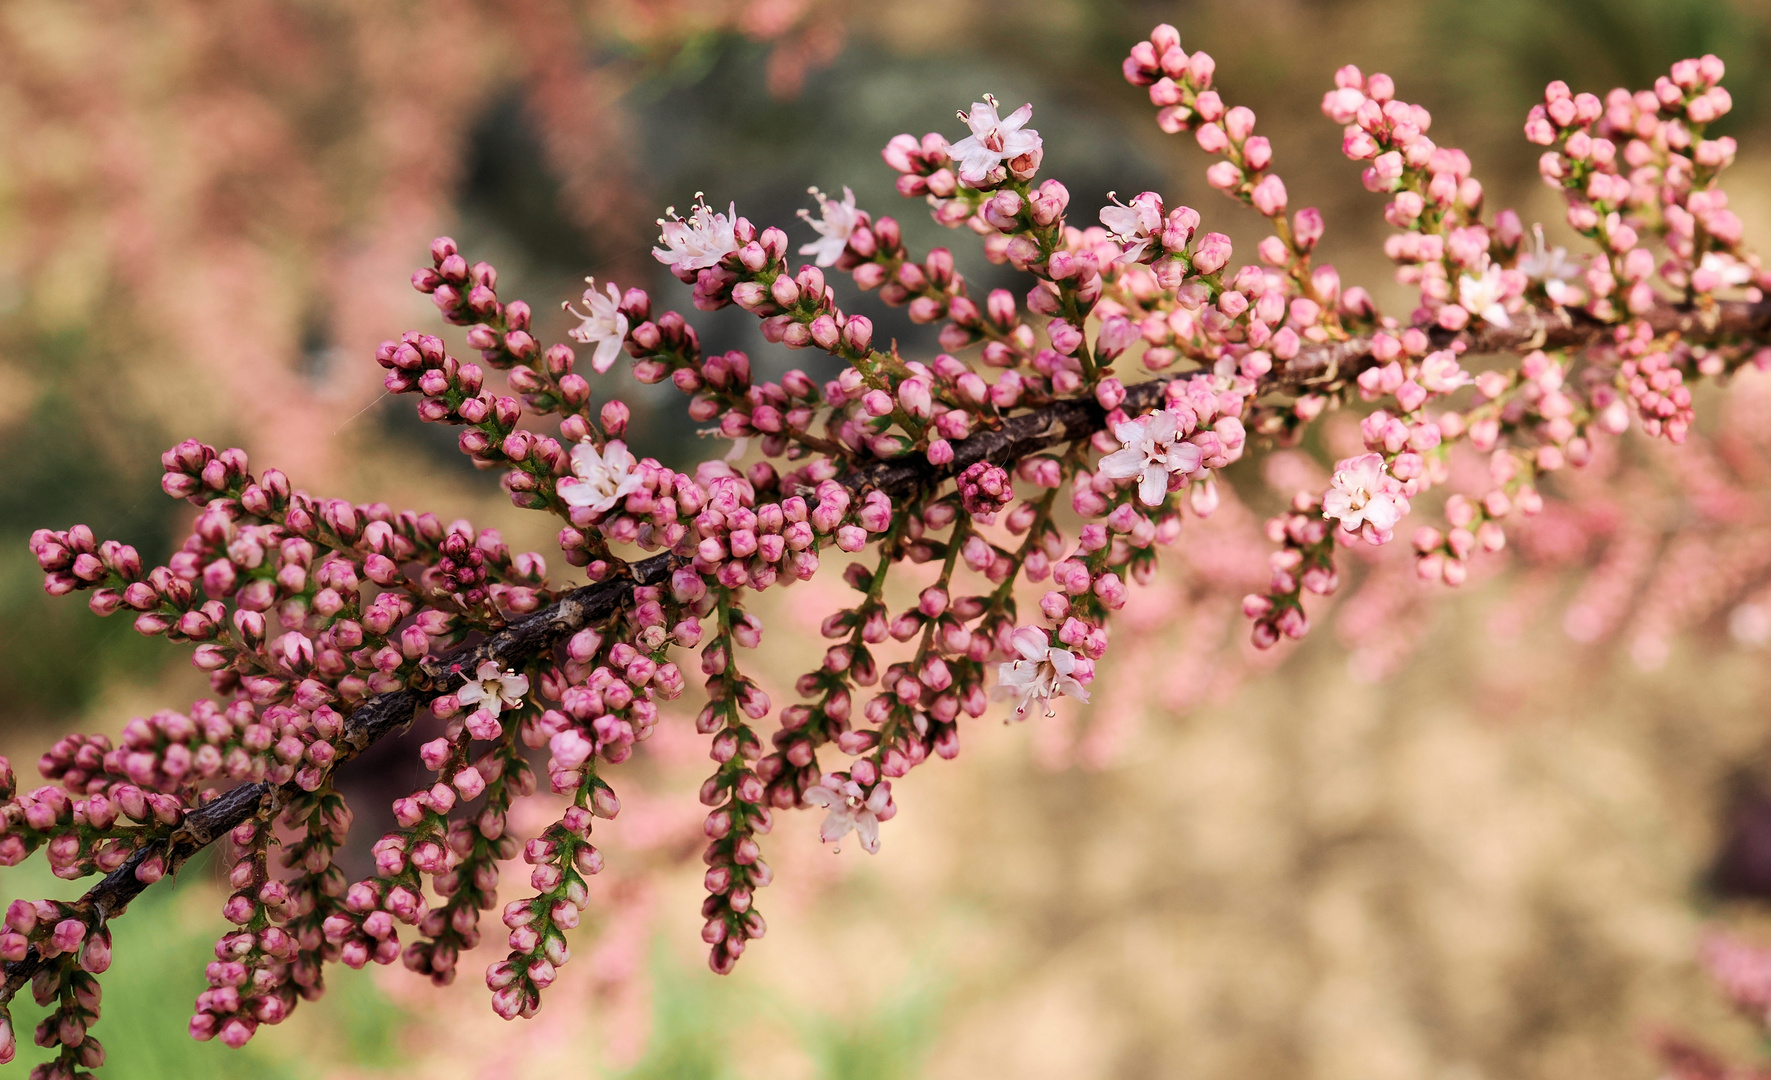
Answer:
(1224, 176)
(67, 936)
(570, 749)
(1270, 197)
(1212, 253)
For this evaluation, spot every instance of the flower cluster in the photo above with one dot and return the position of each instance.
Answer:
(324, 624)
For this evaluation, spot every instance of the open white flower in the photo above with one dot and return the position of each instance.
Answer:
(492, 689)
(1363, 493)
(1730, 271)
(1041, 674)
(994, 139)
(599, 480)
(1133, 224)
(603, 324)
(699, 242)
(851, 810)
(1550, 266)
(837, 224)
(1153, 451)
(1484, 295)
(1440, 373)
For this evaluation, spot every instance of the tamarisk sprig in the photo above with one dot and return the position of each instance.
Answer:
(1021, 436)
(1269, 346)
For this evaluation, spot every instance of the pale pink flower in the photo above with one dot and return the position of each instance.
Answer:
(851, 810)
(838, 222)
(1729, 272)
(699, 242)
(600, 480)
(994, 139)
(1363, 493)
(1133, 224)
(1440, 373)
(1550, 266)
(1153, 451)
(1041, 674)
(492, 689)
(602, 323)
(1484, 295)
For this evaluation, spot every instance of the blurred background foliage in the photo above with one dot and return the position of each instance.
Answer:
(1492, 865)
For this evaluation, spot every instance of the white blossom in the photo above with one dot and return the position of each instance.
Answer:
(602, 323)
(1133, 224)
(837, 223)
(1550, 266)
(851, 810)
(699, 242)
(1440, 373)
(492, 689)
(1731, 272)
(1485, 295)
(1041, 674)
(1364, 493)
(599, 480)
(994, 139)
(1153, 450)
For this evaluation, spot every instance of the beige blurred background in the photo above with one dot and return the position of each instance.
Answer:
(1442, 840)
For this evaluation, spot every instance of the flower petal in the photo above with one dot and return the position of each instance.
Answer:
(1153, 486)
(1067, 685)
(836, 824)
(1121, 464)
(609, 348)
(1031, 642)
(867, 828)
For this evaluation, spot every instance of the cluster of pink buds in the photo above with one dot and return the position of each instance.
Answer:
(249, 980)
(1180, 86)
(563, 858)
(1638, 165)
(73, 954)
(1445, 248)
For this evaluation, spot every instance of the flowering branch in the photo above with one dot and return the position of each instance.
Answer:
(918, 461)
(1018, 438)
